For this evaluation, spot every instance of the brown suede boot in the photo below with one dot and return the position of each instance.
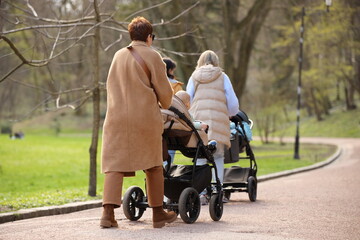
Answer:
(108, 217)
(160, 217)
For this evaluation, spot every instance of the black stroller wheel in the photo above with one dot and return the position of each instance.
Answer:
(189, 205)
(133, 196)
(252, 188)
(216, 207)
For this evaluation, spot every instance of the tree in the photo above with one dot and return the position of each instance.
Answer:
(229, 27)
(55, 33)
(240, 37)
(328, 47)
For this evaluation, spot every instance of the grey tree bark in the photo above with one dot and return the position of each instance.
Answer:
(96, 105)
(240, 37)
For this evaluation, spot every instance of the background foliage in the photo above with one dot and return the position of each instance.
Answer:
(264, 76)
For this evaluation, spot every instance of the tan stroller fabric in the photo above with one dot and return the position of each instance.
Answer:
(179, 124)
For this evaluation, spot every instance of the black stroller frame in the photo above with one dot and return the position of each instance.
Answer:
(182, 183)
(242, 179)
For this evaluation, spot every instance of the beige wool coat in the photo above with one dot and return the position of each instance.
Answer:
(133, 127)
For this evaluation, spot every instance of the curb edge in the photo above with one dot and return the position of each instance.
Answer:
(48, 211)
(331, 159)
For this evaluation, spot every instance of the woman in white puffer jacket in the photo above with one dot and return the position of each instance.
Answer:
(213, 101)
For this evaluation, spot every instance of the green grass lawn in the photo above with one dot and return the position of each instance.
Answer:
(274, 157)
(340, 124)
(43, 170)
(49, 170)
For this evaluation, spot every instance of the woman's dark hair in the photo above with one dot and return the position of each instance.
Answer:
(170, 64)
(140, 28)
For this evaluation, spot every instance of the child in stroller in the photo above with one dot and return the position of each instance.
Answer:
(184, 99)
(182, 182)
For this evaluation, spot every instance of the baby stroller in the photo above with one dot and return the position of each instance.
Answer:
(236, 178)
(182, 183)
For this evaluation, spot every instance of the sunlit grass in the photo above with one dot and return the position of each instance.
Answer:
(274, 157)
(339, 123)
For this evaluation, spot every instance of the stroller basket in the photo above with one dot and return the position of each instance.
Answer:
(180, 177)
(174, 139)
(236, 174)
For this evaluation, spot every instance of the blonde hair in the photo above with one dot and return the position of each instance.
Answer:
(208, 57)
(184, 97)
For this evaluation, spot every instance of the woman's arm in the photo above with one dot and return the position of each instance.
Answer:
(231, 99)
(190, 89)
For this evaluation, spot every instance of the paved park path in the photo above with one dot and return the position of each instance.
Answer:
(319, 204)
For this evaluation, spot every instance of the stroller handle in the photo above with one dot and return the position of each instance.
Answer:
(251, 123)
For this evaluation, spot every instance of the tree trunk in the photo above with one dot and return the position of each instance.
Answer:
(355, 5)
(349, 100)
(325, 102)
(96, 107)
(316, 108)
(337, 90)
(352, 98)
(309, 110)
(259, 127)
(266, 129)
(240, 38)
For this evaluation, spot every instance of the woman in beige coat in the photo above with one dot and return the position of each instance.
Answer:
(132, 134)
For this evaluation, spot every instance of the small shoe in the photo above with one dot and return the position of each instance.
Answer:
(225, 200)
(204, 200)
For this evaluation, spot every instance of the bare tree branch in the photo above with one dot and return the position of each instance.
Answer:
(146, 9)
(84, 89)
(71, 105)
(115, 29)
(31, 8)
(179, 15)
(13, 47)
(181, 54)
(58, 106)
(47, 35)
(31, 15)
(83, 101)
(11, 72)
(32, 110)
(30, 85)
(54, 45)
(39, 63)
(112, 44)
(177, 36)
(47, 26)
